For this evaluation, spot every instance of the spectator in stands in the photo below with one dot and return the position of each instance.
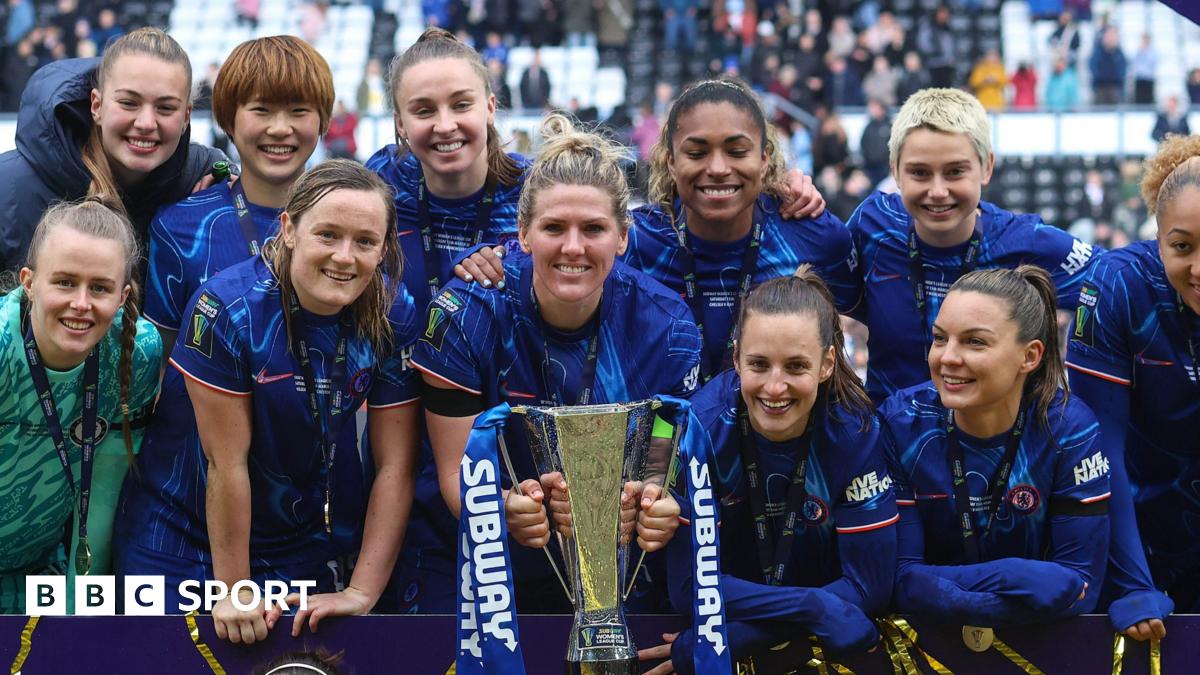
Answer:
(538, 19)
(498, 75)
(1108, 69)
(247, 13)
(204, 88)
(679, 24)
(664, 95)
(785, 85)
(1095, 202)
(66, 16)
(1062, 88)
(495, 49)
(579, 22)
(1144, 67)
(800, 148)
(855, 188)
(988, 80)
(830, 148)
(107, 29)
(935, 40)
(814, 25)
(913, 77)
(1171, 120)
(1065, 40)
(614, 18)
(1024, 83)
(85, 47)
(371, 96)
(810, 65)
(841, 37)
(21, 18)
(646, 129)
(874, 143)
(535, 85)
(880, 84)
(880, 34)
(18, 68)
(860, 59)
(339, 138)
(842, 86)
(1193, 87)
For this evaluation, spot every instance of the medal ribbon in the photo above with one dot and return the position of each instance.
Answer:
(91, 379)
(962, 498)
(245, 220)
(483, 216)
(322, 416)
(916, 270)
(773, 559)
(695, 299)
(488, 640)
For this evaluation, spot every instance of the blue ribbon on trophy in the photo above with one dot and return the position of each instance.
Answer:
(488, 640)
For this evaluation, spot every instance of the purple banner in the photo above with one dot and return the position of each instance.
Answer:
(425, 645)
(1188, 8)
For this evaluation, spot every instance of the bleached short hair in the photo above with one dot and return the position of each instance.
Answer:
(951, 111)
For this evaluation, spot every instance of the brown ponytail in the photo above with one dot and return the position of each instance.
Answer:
(1032, 303)
(438, 43)
(806, 294)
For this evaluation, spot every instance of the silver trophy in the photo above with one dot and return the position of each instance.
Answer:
(598, 449)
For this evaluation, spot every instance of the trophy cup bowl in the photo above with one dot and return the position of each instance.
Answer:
(597, 449)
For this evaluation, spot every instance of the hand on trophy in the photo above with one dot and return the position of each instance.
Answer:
(525, 515)
(658, 518)
(645, 508)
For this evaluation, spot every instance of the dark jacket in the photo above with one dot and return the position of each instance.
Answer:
(46, 167)
(874, 142)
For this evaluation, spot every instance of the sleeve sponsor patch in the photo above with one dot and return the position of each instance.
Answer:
(867, 486)
(1084, 328)
(200, 325)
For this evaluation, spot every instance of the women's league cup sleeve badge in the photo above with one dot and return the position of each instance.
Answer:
(978, 638)
(200, 327)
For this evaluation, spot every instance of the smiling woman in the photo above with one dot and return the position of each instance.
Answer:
(806, 511)
(1001, 477)
(573, 326)
(274, 97)
(257, 415)
(117, 127)
(70, 335)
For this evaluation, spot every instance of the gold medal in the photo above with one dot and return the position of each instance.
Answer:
(978, 639)
(83, 556)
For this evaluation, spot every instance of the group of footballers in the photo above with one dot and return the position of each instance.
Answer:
(208, 429)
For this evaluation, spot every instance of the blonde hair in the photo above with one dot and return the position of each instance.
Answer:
(736, 93)
(1169, 170)
(572, 157)
(149, 41)
(371, 308)
(950, 111)
(101, 217)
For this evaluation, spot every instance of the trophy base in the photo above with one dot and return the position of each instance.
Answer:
(618, 667)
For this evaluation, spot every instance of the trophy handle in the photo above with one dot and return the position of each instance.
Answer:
(517, 488)
(668, 483)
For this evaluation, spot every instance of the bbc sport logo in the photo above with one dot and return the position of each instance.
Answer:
(145, 595)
